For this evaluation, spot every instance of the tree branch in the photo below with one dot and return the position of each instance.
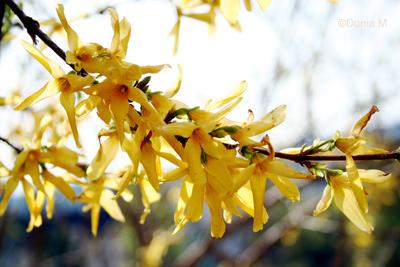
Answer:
(258, 248)
(2, 13)
(4, 140)
(301, 157)
(33, 28)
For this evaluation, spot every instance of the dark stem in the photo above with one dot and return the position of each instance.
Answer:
(2, 13)
(17, 149)
(301, 157)
(33, 28)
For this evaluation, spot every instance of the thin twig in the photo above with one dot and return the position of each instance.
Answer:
(258, 248)
(302, 158)
(4, 140)
(33, 28)
(2, 14)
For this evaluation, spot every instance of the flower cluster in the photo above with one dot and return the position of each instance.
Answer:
(219, 162)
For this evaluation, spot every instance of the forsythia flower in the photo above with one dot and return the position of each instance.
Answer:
(30, 161)
(217, 160)
(66, 85)
(340, 190)
(229, 9)
(279, 173)
(114, 101)
(97, 194)
(354, 145)
(347, 189)
(97, 59)
(209, 164)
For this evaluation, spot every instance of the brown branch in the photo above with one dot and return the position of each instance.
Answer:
(258, 248)
(2, 13)
(4, 140)
(33, 28)
(300, 157)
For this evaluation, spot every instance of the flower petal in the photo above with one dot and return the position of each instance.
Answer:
(279, 168)
(373, 176)
(30, 201)
(241, 178)
(115, 25)
(192, 156)
(61, 185)
(356, 184)
(269, 121)
(50, 190)
(195, 203)
(148, 160)
(239, 90)
(230, 10)
(110, 205)
(174, 90)
(258, 184)
(325, 201)
(148, 196)
(49, 65)
(153, 69)
(264, 4)
(175, 174)
(360, 125)
(218, 174)
(215, 207)
(209, 145)
(346, 202)
(285, 186)
(107, 152)
(67, 100)
(126, 179)
(125, 34)
(183, 129)
(94, 218)
(4, 171)
(49, 89)
(73, 39)
(32, 168)
(10, 187)
(87, 105)
(119, 109)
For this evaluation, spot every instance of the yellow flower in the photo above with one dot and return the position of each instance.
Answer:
(66, 85)
(114, 101)
(340, 190)
(95, 58)
(221, 203)
(229, 8)
(97, 194)
(26, 163)
(32, 161)
(355, 145)
(54, 26)
(209, 164)
(106, 153)
(148, 195)
(249, 129)
(279, 174)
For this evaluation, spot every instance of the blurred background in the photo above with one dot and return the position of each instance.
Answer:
(328, 62)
